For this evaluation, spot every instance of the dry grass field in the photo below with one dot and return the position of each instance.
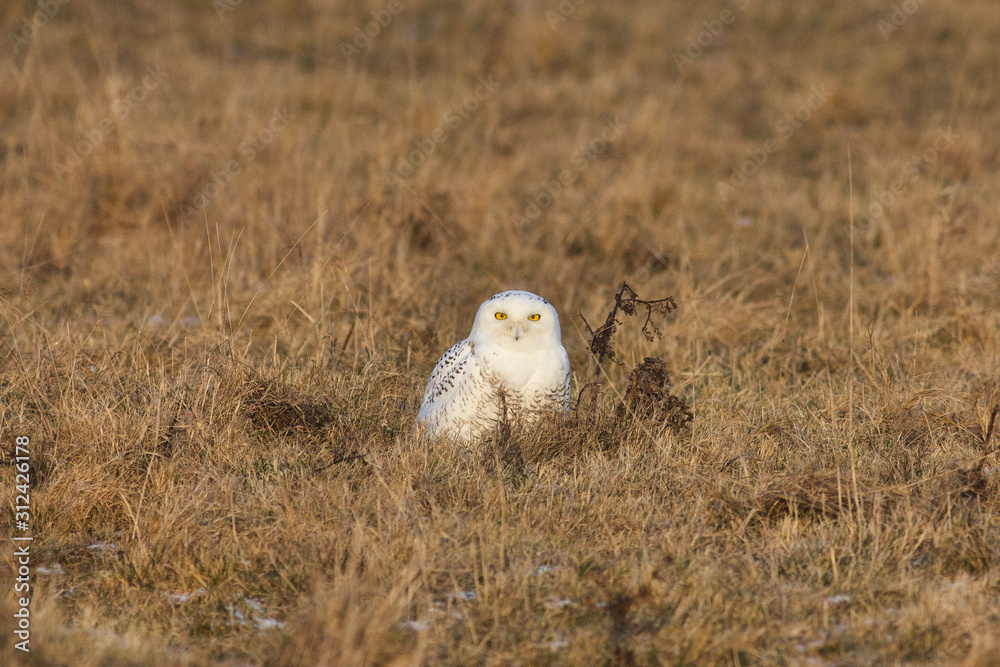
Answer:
(235, 236)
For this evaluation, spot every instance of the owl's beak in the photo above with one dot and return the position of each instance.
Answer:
(518, 331)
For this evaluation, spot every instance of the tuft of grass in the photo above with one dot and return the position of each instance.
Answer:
(218, 366)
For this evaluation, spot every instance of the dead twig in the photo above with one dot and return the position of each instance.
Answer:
(628, 302)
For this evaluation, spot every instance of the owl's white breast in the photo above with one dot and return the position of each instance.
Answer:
(531, 369)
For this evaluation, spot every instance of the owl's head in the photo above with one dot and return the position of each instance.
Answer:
(518, 320)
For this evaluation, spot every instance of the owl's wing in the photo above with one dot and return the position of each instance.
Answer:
(447, 376)
(564, 394)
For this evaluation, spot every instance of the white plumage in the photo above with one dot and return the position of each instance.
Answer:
(515, 348)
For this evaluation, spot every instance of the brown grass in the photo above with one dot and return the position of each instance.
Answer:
(220, 397)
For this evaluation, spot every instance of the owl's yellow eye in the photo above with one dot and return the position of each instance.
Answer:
(501, 316)
(535, 317)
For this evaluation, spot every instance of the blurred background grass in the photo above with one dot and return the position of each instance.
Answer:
(197, 185)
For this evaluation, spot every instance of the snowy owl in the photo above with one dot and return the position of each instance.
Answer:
(515, 347)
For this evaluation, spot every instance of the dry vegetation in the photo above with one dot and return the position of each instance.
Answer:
(219, 369)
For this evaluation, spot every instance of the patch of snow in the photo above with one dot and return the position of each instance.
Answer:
(413, 626)
(179, 598)
(462, 595)
(267, 623)
(558, 603)
(239, 618)
(556, 644)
